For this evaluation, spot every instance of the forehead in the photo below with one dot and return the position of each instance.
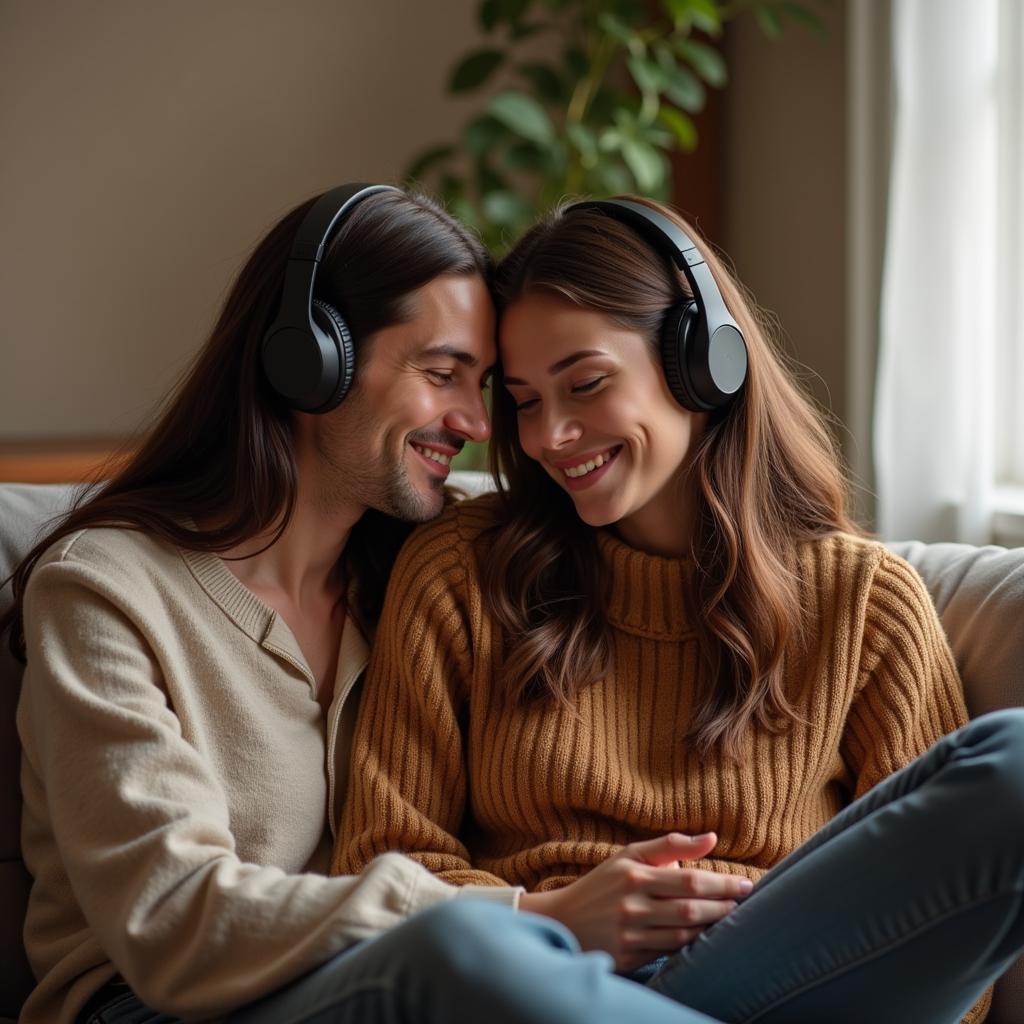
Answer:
(454, 310)
(538, 330)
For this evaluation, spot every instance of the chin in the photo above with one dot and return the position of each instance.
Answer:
(597, 514)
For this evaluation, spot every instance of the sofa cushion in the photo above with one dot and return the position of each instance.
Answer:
(979, 593)
(25, 510)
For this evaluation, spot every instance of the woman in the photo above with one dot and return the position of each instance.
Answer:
(666, 621)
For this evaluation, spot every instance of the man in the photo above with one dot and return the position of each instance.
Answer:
(195, 631)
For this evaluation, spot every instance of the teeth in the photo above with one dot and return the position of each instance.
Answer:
(438, 457)
(589, 466)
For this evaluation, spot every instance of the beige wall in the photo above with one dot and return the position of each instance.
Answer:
(785, 168)
(145, 146)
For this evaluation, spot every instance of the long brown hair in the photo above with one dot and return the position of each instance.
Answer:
(222, 445)
(767, 478)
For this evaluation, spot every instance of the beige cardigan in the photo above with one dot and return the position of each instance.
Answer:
(181, 787)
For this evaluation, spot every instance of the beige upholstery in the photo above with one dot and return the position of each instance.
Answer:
(979, 593)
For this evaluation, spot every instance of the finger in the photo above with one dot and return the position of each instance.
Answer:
(671, 848)
(687, 883)
(658, 914)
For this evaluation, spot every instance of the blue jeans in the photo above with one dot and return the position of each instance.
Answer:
(905, 907)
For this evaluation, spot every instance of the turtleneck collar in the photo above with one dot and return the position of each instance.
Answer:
(645, 591)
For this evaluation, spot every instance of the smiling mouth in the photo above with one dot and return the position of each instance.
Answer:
(588, 466)
(443, 459)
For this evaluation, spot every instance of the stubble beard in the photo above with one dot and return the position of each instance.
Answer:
(382, 483)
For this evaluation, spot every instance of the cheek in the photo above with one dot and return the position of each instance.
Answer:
(528, 437)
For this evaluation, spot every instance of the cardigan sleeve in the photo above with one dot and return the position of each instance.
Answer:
(143, 827)
(407, 791)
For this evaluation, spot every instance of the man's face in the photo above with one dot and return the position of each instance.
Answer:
(416, 399)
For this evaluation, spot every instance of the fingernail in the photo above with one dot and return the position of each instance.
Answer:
(746, 885)
(703, 835)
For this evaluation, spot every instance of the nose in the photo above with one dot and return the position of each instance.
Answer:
(558, 429)
(470, 418)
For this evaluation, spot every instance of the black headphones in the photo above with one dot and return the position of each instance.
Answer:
(307, 352)
(702, 347)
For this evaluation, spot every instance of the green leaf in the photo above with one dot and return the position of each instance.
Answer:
(512, 11)
(545, 80)
(526, 29)
(482, 133)
(769, 21)
(462, 208)
(488, 14)
(524, 115)
(584, 141)
(506, 208)
(617, 29)
(707, 16)
(610, 140)
(492, 13)
(682, 127)
(647, 74)
(705, 60)
(807, 18)
(655, 135)
(684, 89)
(679, 12)
(645, 163)
(472, 71)
(488, 179)
(426, 160)
(611, 178)
(576, 61)
(526, 156)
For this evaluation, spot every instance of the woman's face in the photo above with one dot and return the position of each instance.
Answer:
(595, 411)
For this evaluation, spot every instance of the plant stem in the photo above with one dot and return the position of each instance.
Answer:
(599, 49)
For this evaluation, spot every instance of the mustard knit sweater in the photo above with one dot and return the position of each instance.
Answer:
(482, 791)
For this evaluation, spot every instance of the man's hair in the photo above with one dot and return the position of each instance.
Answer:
(221, 446)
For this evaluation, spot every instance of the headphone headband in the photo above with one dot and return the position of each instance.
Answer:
(705, 357)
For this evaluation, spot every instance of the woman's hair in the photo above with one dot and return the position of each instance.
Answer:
(765, 470)
(222, 443)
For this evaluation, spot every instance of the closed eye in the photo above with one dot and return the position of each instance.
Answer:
(588, 385)
(439, 377)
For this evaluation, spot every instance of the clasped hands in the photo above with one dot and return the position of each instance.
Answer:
(642, 902)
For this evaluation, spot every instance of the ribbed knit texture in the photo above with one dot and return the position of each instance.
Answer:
(483, 791)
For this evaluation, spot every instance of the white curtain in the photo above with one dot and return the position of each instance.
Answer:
(935, 438)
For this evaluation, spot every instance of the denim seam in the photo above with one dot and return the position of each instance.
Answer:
(856, 962)
(336, 998)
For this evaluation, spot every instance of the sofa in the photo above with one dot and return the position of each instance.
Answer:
(979, 593)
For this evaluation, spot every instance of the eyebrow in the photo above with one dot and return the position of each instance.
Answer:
(562, 364)
(451, 352)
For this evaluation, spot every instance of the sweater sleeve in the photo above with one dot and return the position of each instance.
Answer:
(908, 694)
(408, 786)
(143, 828)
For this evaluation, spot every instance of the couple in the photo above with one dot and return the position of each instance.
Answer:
(659, 669)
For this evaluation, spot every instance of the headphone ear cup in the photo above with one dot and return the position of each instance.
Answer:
(677, 334)
(331, 322)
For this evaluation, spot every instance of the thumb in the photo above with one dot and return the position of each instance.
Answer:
(667, 849)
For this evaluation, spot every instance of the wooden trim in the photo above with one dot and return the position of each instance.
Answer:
(59, 461)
